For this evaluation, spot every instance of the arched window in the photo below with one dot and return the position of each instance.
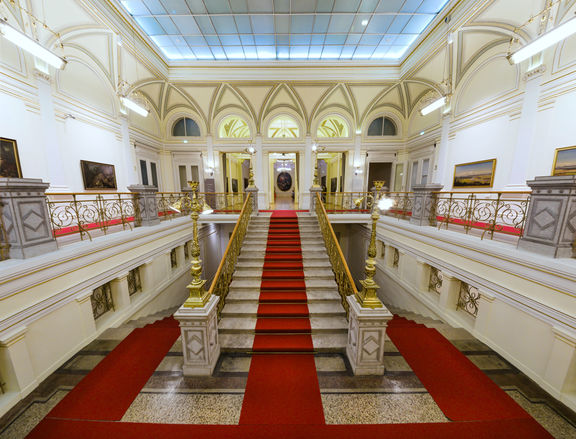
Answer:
(186, 127)
(333, 126)
(232, 127)
(382, 126)
(283, 127)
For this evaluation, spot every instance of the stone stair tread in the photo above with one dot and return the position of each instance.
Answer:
(329, 342)
(237, 324)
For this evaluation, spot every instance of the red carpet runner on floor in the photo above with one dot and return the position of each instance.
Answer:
(109, 389)
(282, 383)
(461, 390)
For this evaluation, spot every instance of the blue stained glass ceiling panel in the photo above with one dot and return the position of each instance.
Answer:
(283, 29)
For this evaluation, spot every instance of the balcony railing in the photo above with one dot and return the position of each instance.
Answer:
(221, 283)
(344, 279)
(493, 214)
(90, 214)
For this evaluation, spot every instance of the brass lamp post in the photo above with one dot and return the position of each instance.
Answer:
(367, 297)
(198, 296)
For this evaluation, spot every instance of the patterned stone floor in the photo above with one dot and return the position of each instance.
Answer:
(396, 397)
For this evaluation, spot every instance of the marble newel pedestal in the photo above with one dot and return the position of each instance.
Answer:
(200, 345)
(366, 336)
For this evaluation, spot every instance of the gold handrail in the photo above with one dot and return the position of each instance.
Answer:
(346, 286)
(220, 284)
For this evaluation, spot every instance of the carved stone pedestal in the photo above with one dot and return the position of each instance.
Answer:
(200, 345)
(146, 203)
(423, 212)
(254, 191)
(366, 336)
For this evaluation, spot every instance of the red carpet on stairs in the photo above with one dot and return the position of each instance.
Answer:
(461, 390)
(281, 388)
(109, 389)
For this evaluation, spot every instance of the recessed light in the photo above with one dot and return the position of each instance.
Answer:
(422, 133)
(364, 22)
(185, 141)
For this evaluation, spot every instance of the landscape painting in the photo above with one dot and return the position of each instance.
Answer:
(475, 174)
(98, 175)
(9, 161)
(565, 161)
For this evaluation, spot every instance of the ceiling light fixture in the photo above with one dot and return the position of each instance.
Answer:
(543, 42)
(364, 22)
(137, 108)
(433, 106)
(32, 46)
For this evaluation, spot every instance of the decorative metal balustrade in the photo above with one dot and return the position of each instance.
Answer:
(395, 258)
(4, 244)
(347, 202)
(134, 282)
(468, 299)
(91, 213)
(101, 299)
(491, 212)
(435, 280)
(402, 208)
(344, 279)
(221, 283)
(166, 199)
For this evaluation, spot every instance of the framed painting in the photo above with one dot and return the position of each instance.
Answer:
(565, 161)
(474, 174)
(9, 160)
(98, 176)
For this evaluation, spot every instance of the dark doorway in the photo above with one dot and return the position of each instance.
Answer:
(379, 171)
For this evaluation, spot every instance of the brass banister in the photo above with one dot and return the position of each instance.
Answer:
(223, 277)
(346, 286)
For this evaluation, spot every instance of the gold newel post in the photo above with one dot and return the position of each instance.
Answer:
(198, 296)
(367, 297)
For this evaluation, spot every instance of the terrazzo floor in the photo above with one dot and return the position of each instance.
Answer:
(396, 397)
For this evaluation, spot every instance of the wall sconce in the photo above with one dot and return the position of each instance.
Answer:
(210, 171)
(357, 170)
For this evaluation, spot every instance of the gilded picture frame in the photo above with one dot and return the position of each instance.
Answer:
(9, 159)
(478, 174)
(98, 176)
(564, 161)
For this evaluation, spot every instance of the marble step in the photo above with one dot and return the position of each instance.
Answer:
(332, 308)
(323, 343)
(259, 263)
(311, 284)
(242, 295)
(309, 258)
(238, 325)
(314, 273)
(250, 252)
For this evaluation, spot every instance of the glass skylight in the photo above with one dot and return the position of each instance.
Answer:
(283, 29)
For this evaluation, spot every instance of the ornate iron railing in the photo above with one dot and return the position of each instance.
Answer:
(102, 300)
(395, 258)
(402, 208)
(134, 283)
(4, 244)
(81, 213)
(501, 212)
(468, 299)
(347, 202)
(346, 286)
(435, 280)
(166, 199)
(223, 277)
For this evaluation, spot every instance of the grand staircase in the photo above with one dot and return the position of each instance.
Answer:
(245, 301)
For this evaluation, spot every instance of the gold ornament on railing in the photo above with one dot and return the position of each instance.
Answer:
(367, 297)
(198, 296)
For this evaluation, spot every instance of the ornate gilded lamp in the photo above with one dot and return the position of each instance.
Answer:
(198, 295)
(367, 297)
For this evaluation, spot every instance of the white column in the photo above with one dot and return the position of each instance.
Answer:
(120, 292)
(560, 371)
(167, 173)
(209, 162)
(129, 155)
(15, 363)
(450, 291)
(308, 174)
(86, 313)
(357, 181)
(259, 169)
(53, 155)
(526, 126)
(441, 166)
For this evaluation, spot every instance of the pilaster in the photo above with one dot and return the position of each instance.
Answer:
(561, 368)
(422, 275)
(120, 292)
(450, 291)
(15, 362)
(86, 313)
(200, 344)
